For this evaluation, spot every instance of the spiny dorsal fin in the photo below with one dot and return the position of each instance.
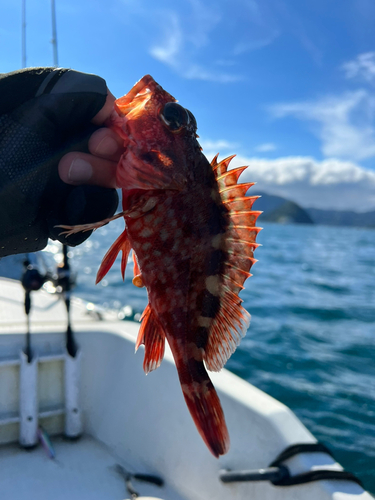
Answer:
(221, 167)
(242, 203)
(232, 320)
(230, 177)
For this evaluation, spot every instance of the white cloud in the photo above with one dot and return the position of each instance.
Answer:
(171, 45)
(264, 148)
(346, 125)
(363, 67)
(198, 72)
(328, 184)
(212, 147)
(181, 43)
(188, 36)
(204, 18)
(251, 45)
(219, 145)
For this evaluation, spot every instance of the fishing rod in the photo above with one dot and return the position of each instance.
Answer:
(54, 34)
(32, 280)
(65, 281)
(23, 28)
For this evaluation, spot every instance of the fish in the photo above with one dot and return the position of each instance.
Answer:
(192, 232)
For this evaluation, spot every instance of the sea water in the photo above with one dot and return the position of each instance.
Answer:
(311, 342)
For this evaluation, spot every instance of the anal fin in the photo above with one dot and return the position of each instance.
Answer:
(152, 335)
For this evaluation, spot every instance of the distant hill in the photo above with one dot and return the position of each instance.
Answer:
(267, 202)
(288, 212)
(278, 209)
(341, 218)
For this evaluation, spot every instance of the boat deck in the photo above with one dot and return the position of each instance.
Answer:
(47, 309)
(81, 469)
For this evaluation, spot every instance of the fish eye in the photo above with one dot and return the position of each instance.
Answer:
(192, 119)
(174, 116)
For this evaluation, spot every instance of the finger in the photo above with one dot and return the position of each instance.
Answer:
(106, 110)
(82, 168)
(106, 144)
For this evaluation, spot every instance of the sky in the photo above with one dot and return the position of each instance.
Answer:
(287, 85)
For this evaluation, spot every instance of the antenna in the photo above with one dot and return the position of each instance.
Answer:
(54, 34)
(24, 33)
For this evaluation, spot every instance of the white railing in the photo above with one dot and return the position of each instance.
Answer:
(29, 415)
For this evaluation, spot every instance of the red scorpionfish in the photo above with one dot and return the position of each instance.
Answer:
(192, 231)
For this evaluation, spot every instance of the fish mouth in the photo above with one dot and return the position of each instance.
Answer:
(133, 103)
(134, 107)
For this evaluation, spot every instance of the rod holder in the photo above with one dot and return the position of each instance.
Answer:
(73, 411)
(28, 436)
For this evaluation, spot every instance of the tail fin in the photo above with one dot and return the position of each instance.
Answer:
(204, 406)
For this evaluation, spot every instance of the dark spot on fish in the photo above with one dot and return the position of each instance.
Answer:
(215, 262)
(210, 304)
(201, 337)
(217, 219)
(148, 157)
(197, 369)
(187, 230)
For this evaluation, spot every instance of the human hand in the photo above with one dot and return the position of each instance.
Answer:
(44, 113)
(105, 149)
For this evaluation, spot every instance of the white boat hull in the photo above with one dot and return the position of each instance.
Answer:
(145, 426)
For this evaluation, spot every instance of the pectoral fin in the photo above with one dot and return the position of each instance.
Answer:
(121, 244)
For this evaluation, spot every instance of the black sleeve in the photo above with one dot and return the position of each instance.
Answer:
(44, 113)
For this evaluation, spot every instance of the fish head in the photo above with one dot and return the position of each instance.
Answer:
(159, 138)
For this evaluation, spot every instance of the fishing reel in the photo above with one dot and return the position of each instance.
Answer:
(63, 278)
(32, 280)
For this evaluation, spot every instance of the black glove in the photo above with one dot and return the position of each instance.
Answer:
(44, 113)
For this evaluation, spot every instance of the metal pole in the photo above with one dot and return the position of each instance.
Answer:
(54, 34)
(24, 33)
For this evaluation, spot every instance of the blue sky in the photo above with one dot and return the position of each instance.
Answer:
(287, 85)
